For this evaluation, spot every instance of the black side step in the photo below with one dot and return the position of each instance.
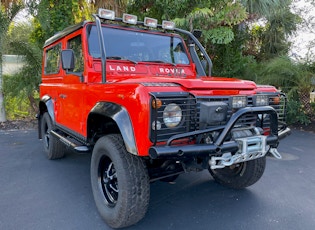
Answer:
(72, 143)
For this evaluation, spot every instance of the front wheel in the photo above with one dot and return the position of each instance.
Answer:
(240, 175)
(53, 147)
(120, 183)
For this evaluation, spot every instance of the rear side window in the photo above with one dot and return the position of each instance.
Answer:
(76, 45)
(52, 61)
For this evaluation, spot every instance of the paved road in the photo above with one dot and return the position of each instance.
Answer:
(36, 193)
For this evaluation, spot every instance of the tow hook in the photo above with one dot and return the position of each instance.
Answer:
(274, 152)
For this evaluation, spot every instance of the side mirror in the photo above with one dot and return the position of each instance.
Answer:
(67, 60)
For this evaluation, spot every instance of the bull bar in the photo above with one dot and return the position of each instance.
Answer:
(219, 146)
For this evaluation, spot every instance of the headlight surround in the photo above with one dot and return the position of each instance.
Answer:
(262, 100)
(172, 115)
(239, 102)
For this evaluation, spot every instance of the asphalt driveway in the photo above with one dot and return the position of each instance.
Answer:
(36, 193)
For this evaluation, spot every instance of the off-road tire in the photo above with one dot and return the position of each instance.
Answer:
(120, 182)
(53, 147)
(240, 175)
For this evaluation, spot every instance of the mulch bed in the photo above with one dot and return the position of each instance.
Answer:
(19, 124)
(309, 128)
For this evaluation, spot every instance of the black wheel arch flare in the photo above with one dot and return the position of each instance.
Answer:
(119, 115)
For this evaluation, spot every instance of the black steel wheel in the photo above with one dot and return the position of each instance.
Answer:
(240, 175)
(107, 178)
(120, 182)
(53, 147)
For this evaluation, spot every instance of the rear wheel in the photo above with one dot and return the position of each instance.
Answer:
(120, 183)
(53, 147)
(240, 175)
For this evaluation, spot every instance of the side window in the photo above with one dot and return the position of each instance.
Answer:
(52, 61)
(76, 45)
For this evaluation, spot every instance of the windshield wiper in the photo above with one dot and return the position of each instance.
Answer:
(121, 58)
(161, 61)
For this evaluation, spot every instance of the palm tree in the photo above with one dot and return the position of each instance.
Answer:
(257, 8)
(25, 82)
(8, 10)
(269, 40)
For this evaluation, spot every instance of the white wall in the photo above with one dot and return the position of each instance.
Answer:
(11, 64)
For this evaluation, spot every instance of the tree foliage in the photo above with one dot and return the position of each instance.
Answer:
(293, 78)
(239, 35)
(119, 6)
(25, 82)
(8, 10)
(52, 16)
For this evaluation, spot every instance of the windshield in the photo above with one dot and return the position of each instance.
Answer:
(137, 46)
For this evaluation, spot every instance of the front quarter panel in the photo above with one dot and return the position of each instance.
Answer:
(120, 115)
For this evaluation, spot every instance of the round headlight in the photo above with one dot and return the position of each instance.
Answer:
(172, 115)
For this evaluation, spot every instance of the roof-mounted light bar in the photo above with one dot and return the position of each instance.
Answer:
(106, 14)
(133, 19)
(130, 19)
(150, 22)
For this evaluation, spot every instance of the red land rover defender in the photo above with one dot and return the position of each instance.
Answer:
(141, 98)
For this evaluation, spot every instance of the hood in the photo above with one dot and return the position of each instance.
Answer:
(204, 83)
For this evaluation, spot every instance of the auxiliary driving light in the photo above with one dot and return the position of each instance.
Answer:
(262, 100)
(168, 25)
(150, 22)
(106, 14)
(130, 19)
(239, 102)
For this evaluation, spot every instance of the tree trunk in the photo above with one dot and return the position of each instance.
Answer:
(33, 103)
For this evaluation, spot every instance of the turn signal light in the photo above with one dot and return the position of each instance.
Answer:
(156, 104)
(276, 100)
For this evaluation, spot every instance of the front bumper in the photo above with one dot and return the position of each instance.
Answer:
(220, 146)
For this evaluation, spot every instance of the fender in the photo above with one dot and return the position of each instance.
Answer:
(50, 109)
(121, 117)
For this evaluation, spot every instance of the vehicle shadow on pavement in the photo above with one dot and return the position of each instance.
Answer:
(197, 202)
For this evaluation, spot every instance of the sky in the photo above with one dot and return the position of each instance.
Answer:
(305, 36)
